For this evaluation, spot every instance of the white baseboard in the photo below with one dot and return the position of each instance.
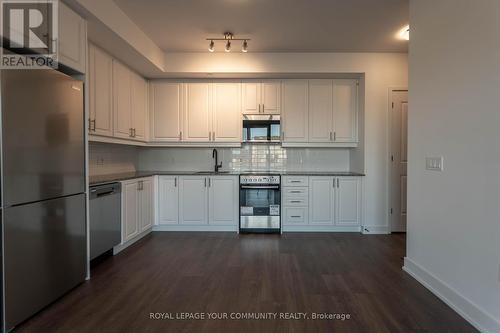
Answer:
(119, 248)
(320, 228)
(375, 230)
(182, 227)
(476, 316)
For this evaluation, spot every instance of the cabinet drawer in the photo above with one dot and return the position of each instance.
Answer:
(295, 192)
(295, 215)
(299, 202)
(295, 181)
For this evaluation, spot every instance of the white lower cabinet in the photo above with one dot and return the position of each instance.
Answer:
(322, 203)
(137, 207)
(193, 205)
(198, 201)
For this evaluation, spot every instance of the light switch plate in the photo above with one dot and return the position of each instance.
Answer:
(434, 163)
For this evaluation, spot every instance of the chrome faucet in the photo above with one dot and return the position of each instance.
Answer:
(216, 156)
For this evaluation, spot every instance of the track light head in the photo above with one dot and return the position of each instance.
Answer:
(228, 46)
(211, 47)
(244, 47)
(228, 38)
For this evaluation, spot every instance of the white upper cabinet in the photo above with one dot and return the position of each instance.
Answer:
(168, 200)
(223, 200)
(294, 121)
(139, 98)
(226, 118)
(197, 112)
(345, 110)
(122, 101)
(320, 111)
(72, 38)
(262, 97)
(271, 97)
(166, 111)
(348, 201)
(100, 74)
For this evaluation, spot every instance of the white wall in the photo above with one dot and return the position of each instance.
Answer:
(454, 215)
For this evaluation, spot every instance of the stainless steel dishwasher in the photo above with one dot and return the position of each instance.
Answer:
(105, 218)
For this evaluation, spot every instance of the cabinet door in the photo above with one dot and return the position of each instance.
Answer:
(71, 38)
(121, 101)
(130, 211)
(345, 109)
(193, 203)
(168, 200)
(139, 92)
(271, 97)
(100, 92)
(145, 204)
(197, 121)
(251, 102)
(320, 110)
(227, 122)
(223, 200)
(348, 201)
(166, 111)
(321, 200)
(295, 111)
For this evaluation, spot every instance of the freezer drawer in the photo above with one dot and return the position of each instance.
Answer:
(43, 135)
(44, 254)
(105, 218)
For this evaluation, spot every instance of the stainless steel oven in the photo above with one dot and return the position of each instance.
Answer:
(260, 203)
(261, 128)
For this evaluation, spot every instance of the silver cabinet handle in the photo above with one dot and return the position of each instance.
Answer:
(175, 182)
(334, 136)
(93, 125)
(134, 132)
(333, 183)
(263, 108)
(130, 132)
(294, 181)
(331, 136)
(296, 201)
(180, 135)
(296, 216)
(209, 182)
(283, 136)
(338, 183)
(205, 182)
(295, 192)
(213, 136)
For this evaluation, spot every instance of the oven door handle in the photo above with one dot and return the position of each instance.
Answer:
(260, 187)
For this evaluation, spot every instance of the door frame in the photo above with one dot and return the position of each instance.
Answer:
(392, 90)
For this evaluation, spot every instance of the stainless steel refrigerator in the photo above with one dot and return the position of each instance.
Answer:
(43, 187)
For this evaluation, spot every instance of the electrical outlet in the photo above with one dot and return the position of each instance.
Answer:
(434, 163)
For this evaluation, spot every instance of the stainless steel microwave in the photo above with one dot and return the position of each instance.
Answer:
(261, 128)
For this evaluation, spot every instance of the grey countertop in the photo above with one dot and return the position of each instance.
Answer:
(109, 178)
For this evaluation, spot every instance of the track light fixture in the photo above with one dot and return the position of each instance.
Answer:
(228, 38)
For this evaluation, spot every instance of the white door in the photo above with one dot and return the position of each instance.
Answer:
(271, 97)
(348, 200)
(399, 159)
(321, 200)
(251, 103)
(295, 111)
(197, 115)
(168, 200)
(226, 120)
(139, 103)
(193, 203)
(166, 111)
(223, 200)
(320, 111)
(145, 204)
(72, 39)
(129, 209)
(100, 92)
(122, 101)
(345, 110)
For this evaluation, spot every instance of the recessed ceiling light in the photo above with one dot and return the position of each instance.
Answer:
(404, 33)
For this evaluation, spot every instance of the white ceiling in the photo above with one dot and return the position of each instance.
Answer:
(273, 25)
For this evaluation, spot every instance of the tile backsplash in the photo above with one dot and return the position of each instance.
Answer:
(110, 158)
(249, 157)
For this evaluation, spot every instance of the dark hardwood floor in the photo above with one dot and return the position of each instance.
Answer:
(228, 273)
